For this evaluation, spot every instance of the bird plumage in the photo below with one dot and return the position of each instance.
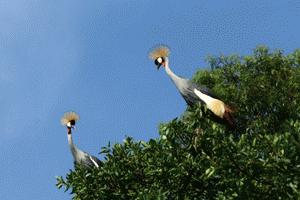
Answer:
(80, 157)
(191, 92)
(68, 117)
(215, 105)
(190, 97)
(159, 51)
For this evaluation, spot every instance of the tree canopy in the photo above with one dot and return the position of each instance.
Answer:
(197, 157)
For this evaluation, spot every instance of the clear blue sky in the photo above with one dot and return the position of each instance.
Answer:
(92, 57)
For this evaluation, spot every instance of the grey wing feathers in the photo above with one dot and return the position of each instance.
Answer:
(96, 162)
(204, 90)
(190, 97)
(89, 161)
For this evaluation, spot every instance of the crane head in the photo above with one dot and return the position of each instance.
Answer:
(159, 55)
(69, 119)
(71, 124)
(159, 61)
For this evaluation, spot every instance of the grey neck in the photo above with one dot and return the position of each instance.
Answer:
(179, 82)
(72, 145)
(172, 75)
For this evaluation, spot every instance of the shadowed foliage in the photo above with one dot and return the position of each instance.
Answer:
(197, 157)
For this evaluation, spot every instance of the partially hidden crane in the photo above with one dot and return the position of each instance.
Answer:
(80, 157)
(191, 92)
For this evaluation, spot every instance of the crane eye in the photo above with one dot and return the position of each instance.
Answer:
(158, 61)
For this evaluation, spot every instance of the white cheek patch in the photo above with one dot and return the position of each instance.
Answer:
(159, 60)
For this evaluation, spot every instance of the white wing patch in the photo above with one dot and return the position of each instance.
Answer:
(207, 99)
(94, 162)
(215, 105)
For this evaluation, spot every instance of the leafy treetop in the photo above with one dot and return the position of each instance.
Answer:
(196, 157)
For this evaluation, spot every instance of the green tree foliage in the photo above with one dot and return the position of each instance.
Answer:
(197, 157)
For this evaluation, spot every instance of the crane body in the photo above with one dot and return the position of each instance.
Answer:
(80, 157)
(186, 87)
(191, 92)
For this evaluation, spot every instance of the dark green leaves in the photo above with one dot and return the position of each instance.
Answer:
(197, 157)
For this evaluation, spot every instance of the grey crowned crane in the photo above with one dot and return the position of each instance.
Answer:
(80, 157)
(191, 92)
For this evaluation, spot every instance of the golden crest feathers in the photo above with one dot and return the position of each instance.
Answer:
(160, 51)
(69, 116)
